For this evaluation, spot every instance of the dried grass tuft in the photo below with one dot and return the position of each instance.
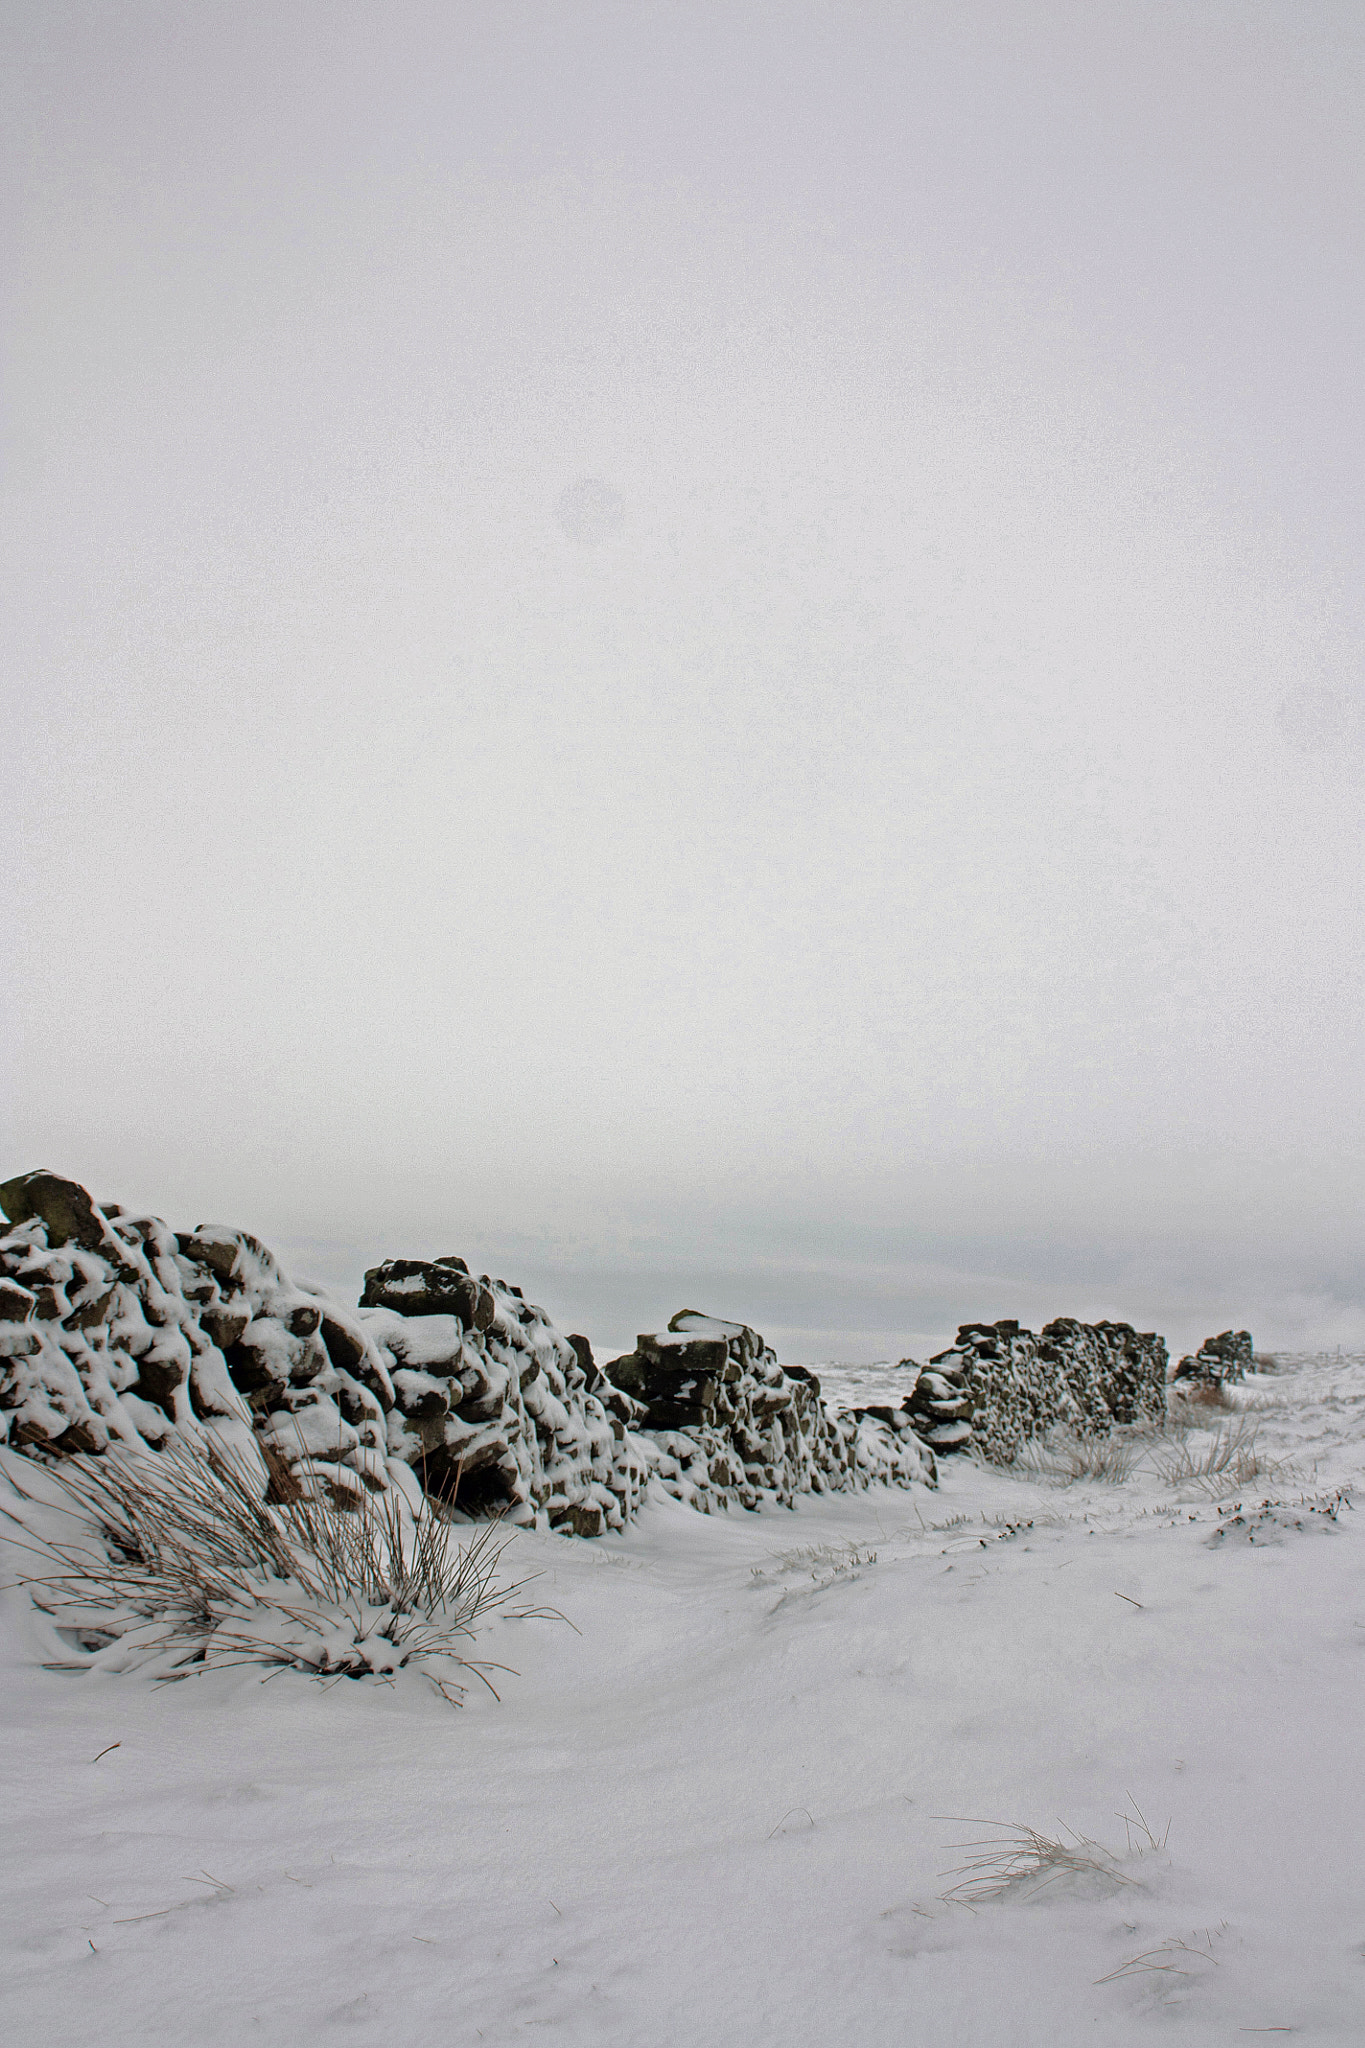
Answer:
(1062, 1458)
(178, 1565)
(1172, 1958)
(1191, 1402)
(1229, 1460)
(1018, 1861)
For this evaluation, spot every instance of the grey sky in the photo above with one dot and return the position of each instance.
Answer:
(698, 648)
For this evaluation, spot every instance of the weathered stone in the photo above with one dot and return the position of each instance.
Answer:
(256, 1362)
(420, 1396)
(159, 1380)
(82, 1438)
(577, 1518)
(90, 1314)
(949, 1436)
(429, 1287)
(239, 1261)
(1229, 1356)
(64, 1207)
(350, 1353)
(224, 1322)
(16, 1302)
(220, 1254)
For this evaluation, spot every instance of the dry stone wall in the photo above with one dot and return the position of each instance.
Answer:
(495, 1407)
(721, 1421)
(1000, 1384)
(1229, 1356)
(116, 1329)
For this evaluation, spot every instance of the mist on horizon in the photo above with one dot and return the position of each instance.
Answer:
(698, 651)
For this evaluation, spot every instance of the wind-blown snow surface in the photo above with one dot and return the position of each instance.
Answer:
(710, 1815)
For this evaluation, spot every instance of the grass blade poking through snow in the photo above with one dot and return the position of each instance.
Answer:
(177, 1565)
(1018, 1861)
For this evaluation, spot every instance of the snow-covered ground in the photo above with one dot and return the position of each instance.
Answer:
(712, 1811)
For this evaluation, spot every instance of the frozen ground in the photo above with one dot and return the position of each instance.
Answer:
(710, 1812)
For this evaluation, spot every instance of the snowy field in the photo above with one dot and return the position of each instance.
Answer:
(713, 1810)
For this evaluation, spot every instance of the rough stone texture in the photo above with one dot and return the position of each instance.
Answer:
(135, 1333)
(436, 1287)
(1001, 1385)
(723, 1422)
(1219, 1359)
(115, 1329)
(496, 1408)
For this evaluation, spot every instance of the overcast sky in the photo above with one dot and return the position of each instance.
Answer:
(709, 653)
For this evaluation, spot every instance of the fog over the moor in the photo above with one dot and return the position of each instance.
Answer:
(698, 651)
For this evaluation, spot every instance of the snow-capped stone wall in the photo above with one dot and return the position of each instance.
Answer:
(106, 1334)
(721, 1421)
(1229, 1356)
(115, 1329)
(493, 1406)
(1001, 1385)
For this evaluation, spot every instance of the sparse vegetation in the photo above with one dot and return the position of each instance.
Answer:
(177, 1564)
(1062, 1458)
(1192, 1403)
(1228, 1460)
(821, 1558)
(825, 1564)
(1171, 1957)
(1021, 1861)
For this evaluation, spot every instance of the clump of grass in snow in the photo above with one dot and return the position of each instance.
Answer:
(1019, 1861)
(1229, 1460)
(1171, 1959)
(178, 1566)
(826, 1561)
(1061, 1458)
(936, 1528)
(1192, 1402)
(827, 1564)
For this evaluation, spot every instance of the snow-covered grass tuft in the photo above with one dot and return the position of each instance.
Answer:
(1228, 1461)
(176, 1565)
(825, 1561)
(1061, 1458)
(1018, 1861)
(822, 1564)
